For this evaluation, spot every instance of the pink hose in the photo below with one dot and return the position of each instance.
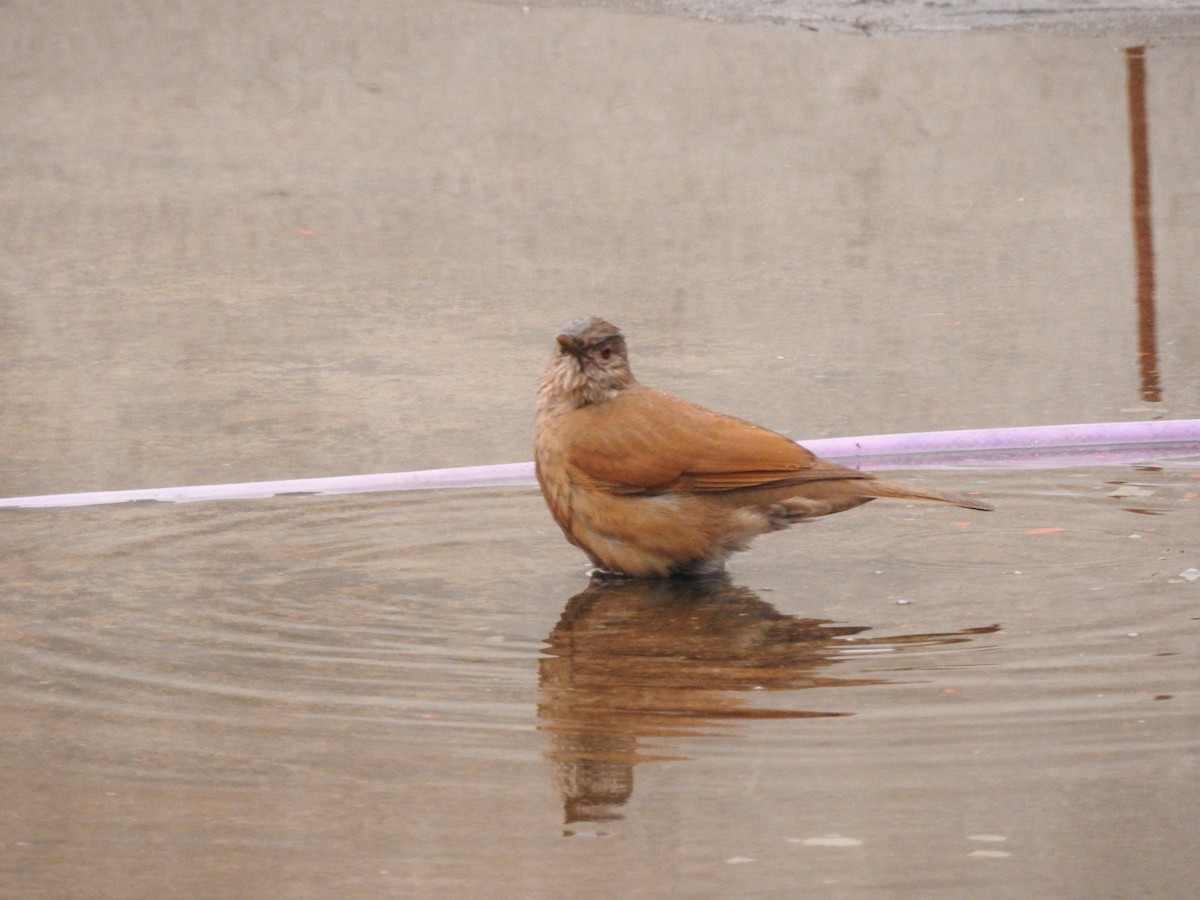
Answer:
(1042, 446)
(1039, 446)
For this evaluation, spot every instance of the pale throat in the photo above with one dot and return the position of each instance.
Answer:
(565, 387)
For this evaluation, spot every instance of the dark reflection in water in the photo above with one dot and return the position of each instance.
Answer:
(632, 664)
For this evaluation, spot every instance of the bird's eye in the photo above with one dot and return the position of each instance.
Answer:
(606, 352)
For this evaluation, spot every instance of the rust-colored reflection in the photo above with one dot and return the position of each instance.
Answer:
(1143, 235)
(632, 664)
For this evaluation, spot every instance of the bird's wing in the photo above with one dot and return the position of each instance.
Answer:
(644, 441)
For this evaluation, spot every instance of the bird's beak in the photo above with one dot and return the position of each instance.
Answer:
(571, 344)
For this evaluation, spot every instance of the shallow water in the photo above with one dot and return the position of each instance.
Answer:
(262, 243)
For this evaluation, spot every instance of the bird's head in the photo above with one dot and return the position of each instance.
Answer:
(590, 364)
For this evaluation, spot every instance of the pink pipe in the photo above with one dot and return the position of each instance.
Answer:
(1040, 446)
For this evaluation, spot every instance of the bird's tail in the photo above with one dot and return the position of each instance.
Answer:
(877, 487)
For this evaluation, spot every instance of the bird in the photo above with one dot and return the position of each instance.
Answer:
(650, 485)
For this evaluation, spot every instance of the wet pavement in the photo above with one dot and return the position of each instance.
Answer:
(1161, 19)
(249, 243)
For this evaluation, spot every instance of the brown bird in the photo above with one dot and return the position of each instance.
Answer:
(649, 485)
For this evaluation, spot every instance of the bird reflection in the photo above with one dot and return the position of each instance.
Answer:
(634, 663)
